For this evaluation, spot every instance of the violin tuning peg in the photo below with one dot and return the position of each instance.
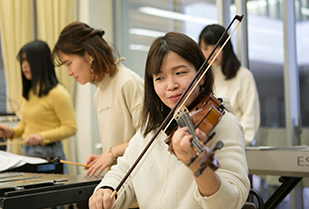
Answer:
(200, 170)
(208, 138)
(192, 160)
(218, 146)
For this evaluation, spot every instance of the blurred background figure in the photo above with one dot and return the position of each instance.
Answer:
(47, 114)
(119, 95)
(232, 81)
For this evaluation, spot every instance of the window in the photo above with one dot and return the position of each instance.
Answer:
(143, 21)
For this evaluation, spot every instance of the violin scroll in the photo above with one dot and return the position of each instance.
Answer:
(209, 159)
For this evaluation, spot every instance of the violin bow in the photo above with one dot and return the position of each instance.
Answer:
(199, 75)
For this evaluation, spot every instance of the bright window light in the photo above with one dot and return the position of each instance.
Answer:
(145, 32)
(139, 47)
(305, 11)
(175, 15)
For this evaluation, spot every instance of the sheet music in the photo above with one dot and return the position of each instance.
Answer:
(9, 160)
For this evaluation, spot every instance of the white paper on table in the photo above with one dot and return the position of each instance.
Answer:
(9, 160)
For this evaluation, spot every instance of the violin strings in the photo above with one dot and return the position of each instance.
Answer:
(185, 120)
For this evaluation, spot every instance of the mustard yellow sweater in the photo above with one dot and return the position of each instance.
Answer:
(51, 116)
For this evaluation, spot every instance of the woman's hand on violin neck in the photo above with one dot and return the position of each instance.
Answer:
(101, 199)
(184, 149)
(182, 145)
(208, 181)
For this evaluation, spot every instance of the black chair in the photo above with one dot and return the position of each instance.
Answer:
(250, 204)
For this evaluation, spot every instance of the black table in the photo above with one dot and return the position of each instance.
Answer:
(41, 190)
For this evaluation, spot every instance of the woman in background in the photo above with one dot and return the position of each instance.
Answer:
(119, 96)
(47, 114)
(164, 180)
(232, 81)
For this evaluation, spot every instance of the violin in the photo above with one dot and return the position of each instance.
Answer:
(206, 156)
(205, 115)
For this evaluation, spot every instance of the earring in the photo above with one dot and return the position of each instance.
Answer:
(91, 60)
(92, 75)
(91, 70)
(161, 107)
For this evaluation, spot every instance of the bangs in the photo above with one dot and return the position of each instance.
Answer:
(56, 60)
(210, 38)
(155, 70)
(21, 59)
(157, 55)
(22, 56)
(65, 48)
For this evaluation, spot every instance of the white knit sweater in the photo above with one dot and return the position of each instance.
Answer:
(162, 181)
(243, 97)
(118, 101)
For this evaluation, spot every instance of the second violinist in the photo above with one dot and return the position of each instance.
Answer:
(164, 180)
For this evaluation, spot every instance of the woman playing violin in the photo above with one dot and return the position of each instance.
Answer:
(164, 180)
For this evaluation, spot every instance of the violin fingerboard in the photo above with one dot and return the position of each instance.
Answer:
(184, 120)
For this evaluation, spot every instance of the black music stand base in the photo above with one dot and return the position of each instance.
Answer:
(288, 184)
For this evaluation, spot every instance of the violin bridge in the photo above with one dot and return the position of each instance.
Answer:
(180, 111)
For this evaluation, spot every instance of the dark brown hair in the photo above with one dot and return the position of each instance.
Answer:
(78, 38)
(184, 46)
(210, 35)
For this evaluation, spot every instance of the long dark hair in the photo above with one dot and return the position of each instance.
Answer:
(210, 35)
(152, 114)
(78, 38)
(37, 53)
